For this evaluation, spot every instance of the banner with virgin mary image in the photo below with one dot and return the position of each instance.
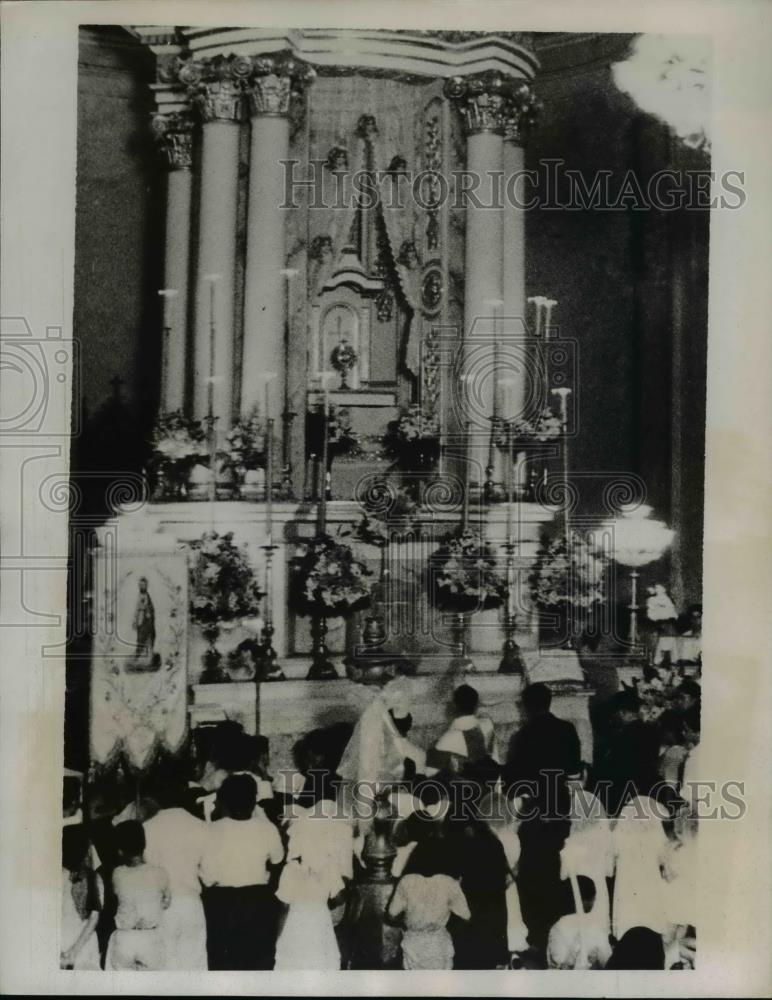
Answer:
(139, 661)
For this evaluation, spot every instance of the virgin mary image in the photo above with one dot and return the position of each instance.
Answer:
(143, 624)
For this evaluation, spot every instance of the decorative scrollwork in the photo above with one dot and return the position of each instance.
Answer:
(444, 494)
(556, 492)
(625, 490)
(376, 494)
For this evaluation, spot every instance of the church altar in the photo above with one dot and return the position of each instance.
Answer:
(284, 710)
(278, 269)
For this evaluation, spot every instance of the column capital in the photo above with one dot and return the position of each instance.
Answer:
(486, 100)
(275, 81)
(216, 86)
(522, 112)
(174, 136)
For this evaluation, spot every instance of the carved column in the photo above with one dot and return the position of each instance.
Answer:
(520, 116)
(174, 134)
(275, 84)
(482, 101)
(216, 88)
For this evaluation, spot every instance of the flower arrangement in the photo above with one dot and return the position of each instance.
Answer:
(567, 573)
(464, 576)
(659, 607)
(223, 585)
(328, 579)
(545, 426)
(377, 527)
(414, 437)
(178, 444)
(245, 445)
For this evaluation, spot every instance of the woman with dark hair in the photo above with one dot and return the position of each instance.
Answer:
(239, 900)
(81, 903)
(638, 948)
(480, 942)
(141, 894)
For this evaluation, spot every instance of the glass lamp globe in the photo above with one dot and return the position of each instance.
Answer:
(636, 541)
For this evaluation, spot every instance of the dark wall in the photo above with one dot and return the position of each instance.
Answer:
(632, 287)
(119, 219)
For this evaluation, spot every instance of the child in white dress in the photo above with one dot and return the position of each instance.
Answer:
(320, 862)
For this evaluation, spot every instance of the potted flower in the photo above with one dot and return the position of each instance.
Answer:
(244, 453)
(223, 591)
(413, 439)
(328, 581)
(544, 426)
(178, 444)
(463, 578)
(567, 584)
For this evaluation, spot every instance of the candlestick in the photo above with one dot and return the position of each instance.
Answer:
(168, 295)
(465, 514)
(509, 482)
(563, 393)
(269, 435)
(325, 380)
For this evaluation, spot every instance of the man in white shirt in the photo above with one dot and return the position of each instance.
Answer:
(239, 902)
(176, 841)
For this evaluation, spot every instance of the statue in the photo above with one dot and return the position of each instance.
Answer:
(143, 624)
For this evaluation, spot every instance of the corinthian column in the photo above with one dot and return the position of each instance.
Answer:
(516, 362)
(216, 90)
(276, 82)
(174, 134)
(482, 102)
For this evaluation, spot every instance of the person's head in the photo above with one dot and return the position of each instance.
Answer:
(689, 694)
(129, 838)
(536, 700)
(226, 750)
(587, 892)
(465, 700)
(74, 848)
(638, 948)
(143, 585)
(403, 721)
(257, 754)
(627, 706)
(236, 796)
(693, 618)
(170, 792)
(70, 795)
(671, 728)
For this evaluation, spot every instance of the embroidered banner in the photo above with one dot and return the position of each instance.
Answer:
(139, 663)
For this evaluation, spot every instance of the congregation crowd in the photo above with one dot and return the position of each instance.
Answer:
(527, 858)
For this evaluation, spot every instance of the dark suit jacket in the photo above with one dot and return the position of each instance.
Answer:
(542, 746)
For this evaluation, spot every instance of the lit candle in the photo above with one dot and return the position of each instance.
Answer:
(509, 483)
(268, 376)
(549, 304)
(506, 408)
(496, 305)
